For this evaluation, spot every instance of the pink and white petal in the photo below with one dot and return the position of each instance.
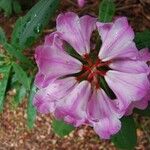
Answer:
(52, 39)
(88, 25)
(141, 104)
(101, 106)
(103, 114)
(81, 3)
(54, 62)
(103, 29)
(118, 42)
(46, 98)
(107, 127)
(72, 108)
(70, 27)
(144, 55)
(129, 66)
(127, 87)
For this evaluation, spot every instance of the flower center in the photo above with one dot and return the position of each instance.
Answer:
(93, 69)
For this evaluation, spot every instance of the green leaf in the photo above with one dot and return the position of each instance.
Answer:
(17, 54)
(61, 128)
(28, 28)
(31, 111)
(145, 112)
(126, 138)
(3, 38)
(21, 76)
(4, 76)
(142, 39)
(20, 94)
(16, 6)
(106, 10)
(6, 5)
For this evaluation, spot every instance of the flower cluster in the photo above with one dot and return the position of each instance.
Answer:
(87, 84)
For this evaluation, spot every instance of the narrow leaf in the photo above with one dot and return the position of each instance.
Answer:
(20, 94)
(21, 76)
(16, 6)
(61, 128)
(29, 27)
(3, 38)
(31, 111)
(142, 39)
(126, 138)
(4, 75)
(17, 54)
(6, 5)
(106, 10)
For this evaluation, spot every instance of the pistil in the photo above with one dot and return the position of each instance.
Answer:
(92, 69)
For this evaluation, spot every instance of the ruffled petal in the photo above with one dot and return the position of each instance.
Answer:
(141, 104)
(72, 108)
(107, 127)
(127, 87)
(117, 40)
(46, 98)
(103, 114)
(76, 31)
(129, 66)
(53, 62)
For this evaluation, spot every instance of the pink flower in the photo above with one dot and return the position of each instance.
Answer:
(81, 3)
(70, 87)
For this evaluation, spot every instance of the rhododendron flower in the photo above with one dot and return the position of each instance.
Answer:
(71, 88)
(81, 3)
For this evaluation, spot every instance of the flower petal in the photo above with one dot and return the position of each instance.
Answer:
(103, 114)
(76, 31)
(107, 127)
(72, 108)
(53, 61)
(141, 104)
(127, 87)
(103, 29)
(117, 40)
(129, 66)
(45, 99)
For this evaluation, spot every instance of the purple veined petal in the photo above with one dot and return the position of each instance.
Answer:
(127, 87)
(53, 62)
(103, 114)
(81, 3)
(144, 55)
(76, 31)
(45, 99)
(117, 40)
(129, 66)
(72, 108)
